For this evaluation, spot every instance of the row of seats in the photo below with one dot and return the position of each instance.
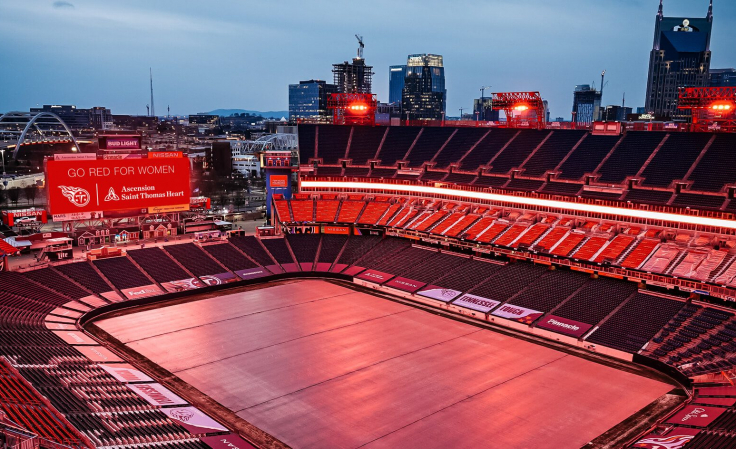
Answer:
(103, 410)
(592, 243)
(569, 154)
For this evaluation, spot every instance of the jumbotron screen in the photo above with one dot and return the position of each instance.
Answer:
(79, 189)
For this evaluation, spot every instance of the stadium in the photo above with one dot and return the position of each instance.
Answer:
(424, 286)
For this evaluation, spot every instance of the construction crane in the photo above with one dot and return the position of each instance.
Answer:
(361, 46)
(483, 91)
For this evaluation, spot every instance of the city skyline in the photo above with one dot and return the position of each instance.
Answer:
(234, 54)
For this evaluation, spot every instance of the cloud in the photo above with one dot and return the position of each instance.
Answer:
(63, 5)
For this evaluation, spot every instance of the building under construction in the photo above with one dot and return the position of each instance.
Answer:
(353, 77)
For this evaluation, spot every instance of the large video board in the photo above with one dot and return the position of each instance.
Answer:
(81, 189)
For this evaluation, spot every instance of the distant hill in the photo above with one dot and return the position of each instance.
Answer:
(267, 114)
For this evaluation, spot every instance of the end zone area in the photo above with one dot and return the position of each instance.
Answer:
(316, 364)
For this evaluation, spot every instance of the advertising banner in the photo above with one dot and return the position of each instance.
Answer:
(253, 273)
(520, 314)
(75, 338)
(375, 276)
(126, 373)
(404, 284)
(278, 181)
(182, 285)
(336, 230)
(120, 142)
(156, 394)
(196, 422)
(439, 293)
(75, 156)
(564, 326)
(676, 438)
(229, 441)
(77, 216)
(107, 185)
(219, 279)
(478, 303)
(696, 415)
(164, 154)
(98, 354)
(15, 217)
(141, 292)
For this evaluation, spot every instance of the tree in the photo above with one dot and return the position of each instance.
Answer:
(14, 195)
(2, 194)
(30, 191)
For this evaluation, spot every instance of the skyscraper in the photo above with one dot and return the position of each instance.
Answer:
(396, 77)
(722, 77)
(308, 99)
(353, 77)
(424, 96)
(586, 104)
(680, 57)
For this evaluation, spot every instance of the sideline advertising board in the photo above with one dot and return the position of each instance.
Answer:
(101, 185)
(564, 326)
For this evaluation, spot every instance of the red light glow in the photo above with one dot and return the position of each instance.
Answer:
(722, 107)
(524, 201)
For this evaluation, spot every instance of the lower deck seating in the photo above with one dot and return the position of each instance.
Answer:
(626, 331)
(595, 300)
(122, 273)
(194, 259)
(253, 249)
(508, 281)
(57, 282)
(158, 264)
(304, 246)
(227, 255)
(279, 250)
(84, 274)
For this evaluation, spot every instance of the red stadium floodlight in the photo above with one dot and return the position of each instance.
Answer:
(713, 108)
(522, 109)
(353, 109)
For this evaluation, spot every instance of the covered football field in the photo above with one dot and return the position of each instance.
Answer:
(319, 365)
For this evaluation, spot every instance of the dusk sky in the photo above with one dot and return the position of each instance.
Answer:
(243, 54)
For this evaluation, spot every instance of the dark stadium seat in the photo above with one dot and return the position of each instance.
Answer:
(508, 281)
(304, 247)
(54, 280)
(595, 300)
(398, 141)
(673, 161)
(717, 168)
(518, 150)
(227, 255)
(194, 259)
(84, 274)
(587, 156)
(550, 290)
(549, 155)
(253, 249)
(630, 155)
(158, 264)
(486, 149)
(627, 330)
(429, 143)
(460, 143)
(332, 143)
(307, 148)
(365, 143)
(122, 273)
